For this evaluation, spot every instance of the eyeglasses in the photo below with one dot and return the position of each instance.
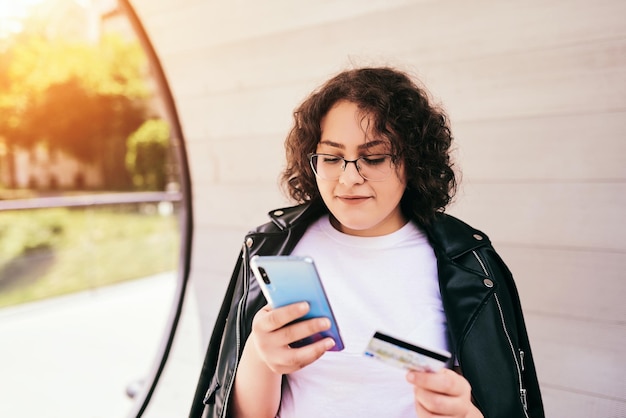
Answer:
(376, 167)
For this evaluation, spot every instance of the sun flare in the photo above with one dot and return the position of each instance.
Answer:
(16, 9)
(14, 14)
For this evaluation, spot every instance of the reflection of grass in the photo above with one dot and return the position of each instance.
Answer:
(50, 252)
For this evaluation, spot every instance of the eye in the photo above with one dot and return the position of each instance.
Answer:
(330, 159)
(373, 160)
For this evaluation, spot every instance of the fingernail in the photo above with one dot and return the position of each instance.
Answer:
(330, 343)
(324, 323)
(303, 306)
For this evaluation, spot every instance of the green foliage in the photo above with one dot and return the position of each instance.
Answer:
(50, 252)
(80, 97)
(146, 157)
(20, 235)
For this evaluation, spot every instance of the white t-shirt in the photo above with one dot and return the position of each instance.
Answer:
(387, 283)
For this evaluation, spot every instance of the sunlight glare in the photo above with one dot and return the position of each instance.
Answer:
(16, 9)
(13, 13)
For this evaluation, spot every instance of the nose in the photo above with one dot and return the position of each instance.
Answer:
(351, 175)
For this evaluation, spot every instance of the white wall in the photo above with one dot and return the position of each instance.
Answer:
(536, 91)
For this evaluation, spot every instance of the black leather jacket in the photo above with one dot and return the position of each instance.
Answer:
(485, 322)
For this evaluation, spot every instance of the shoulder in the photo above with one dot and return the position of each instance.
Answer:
(290, 217)
(455, 236)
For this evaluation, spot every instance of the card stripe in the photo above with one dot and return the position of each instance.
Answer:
(414, 348)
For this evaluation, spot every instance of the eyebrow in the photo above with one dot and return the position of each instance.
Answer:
(367, 145)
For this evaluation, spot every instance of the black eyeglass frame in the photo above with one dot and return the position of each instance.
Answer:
(346, 162)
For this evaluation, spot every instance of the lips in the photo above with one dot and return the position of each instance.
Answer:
(353, 199)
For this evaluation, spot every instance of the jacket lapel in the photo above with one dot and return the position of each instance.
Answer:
(464, 286)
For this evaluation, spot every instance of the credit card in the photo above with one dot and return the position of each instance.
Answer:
(405, 355)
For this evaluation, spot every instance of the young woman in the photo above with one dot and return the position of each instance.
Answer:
(368, 164)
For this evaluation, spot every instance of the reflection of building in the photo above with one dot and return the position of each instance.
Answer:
(40, 168)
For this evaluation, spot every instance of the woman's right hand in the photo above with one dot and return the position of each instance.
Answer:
(271, 337)
(267, 356)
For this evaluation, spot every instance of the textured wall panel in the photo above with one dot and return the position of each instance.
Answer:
(537, 94)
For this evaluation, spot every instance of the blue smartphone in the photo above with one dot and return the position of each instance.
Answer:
(287, 279)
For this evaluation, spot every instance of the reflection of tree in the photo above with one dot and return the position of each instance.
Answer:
(84, 99)
(147, 156)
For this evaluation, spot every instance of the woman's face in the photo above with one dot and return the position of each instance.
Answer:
(359, 206)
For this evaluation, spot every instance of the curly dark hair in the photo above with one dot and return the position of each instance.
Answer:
(402, 112)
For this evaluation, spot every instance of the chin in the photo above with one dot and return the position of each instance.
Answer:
(354, 225)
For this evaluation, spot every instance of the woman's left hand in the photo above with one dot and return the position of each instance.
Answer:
(442, 394)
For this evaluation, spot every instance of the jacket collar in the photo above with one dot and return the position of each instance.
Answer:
(449, 234)
(453, 236)
(289, 217)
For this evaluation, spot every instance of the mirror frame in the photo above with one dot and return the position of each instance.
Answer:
(184, 266)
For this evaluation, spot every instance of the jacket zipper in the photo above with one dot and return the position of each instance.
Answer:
(519, 364)
(229, 388)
